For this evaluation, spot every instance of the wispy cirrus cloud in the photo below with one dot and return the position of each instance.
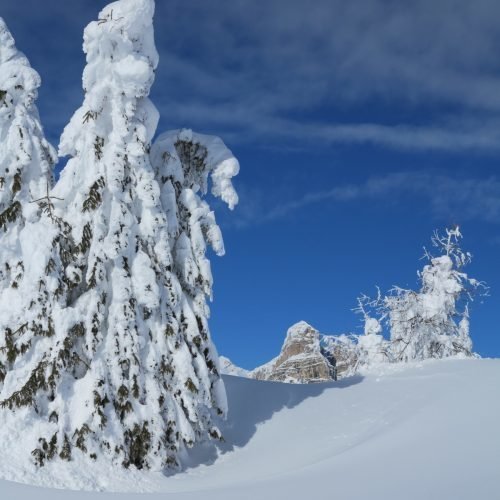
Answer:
(456, 199)
(404, 75)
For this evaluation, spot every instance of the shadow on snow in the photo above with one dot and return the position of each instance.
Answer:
(251, 403)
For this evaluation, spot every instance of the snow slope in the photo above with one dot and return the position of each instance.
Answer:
(227, 367)
(424, 431)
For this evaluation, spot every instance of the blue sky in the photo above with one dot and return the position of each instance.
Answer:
(360, 128)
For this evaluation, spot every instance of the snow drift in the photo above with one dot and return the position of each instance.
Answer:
(417, 431)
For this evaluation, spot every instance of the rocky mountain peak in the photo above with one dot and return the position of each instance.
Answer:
(300, 359)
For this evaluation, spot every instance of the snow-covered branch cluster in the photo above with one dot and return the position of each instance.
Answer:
(104, 277)
(432, 322)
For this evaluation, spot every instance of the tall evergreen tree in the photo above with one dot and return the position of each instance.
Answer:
(29, 267)
(129, 369)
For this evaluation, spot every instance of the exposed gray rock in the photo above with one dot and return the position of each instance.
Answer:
(301, 360)
(306, 357)
(342, 351)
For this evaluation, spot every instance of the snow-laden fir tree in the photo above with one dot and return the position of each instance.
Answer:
(434, 322)
(30, 268)
(130, 370)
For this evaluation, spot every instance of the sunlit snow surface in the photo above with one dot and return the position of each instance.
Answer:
(426, 431)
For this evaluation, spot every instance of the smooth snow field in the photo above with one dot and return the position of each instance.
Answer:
(429, 431)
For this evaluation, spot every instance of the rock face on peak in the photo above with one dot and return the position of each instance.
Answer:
(343, 352)
(301, 359)
(306, 357)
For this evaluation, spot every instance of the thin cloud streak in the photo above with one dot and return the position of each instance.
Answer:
(242, 125)
(266, 80)
(451, 198)
(410, 76)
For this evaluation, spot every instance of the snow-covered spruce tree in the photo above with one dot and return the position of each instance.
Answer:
(130, 371)
(434, 323)
(30, 268)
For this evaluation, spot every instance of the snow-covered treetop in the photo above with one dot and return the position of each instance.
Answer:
(17, 78)
(212, 158)
(121, 64)
(448, 244)
(123, 35)
(443, 275)
(367, 307)
(26, 158)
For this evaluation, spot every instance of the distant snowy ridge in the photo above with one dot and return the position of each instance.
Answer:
(227, 367)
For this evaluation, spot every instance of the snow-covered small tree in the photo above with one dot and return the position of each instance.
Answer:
(129, 370)
(434, 323)
(30, 270)
(372, 347)
(403, 308)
